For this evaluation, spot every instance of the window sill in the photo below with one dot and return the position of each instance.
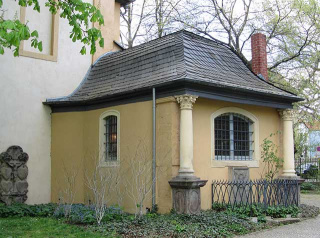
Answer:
(234, 163)
(109, 163)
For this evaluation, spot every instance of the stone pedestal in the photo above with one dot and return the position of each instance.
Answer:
(186, 194)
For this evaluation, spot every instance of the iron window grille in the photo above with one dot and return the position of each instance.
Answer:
(233, 137)
(111, 138)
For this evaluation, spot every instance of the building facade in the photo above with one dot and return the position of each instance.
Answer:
(32, 77)
(211, 115)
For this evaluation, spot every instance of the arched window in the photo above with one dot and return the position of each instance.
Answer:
(109, 138)
(233, 135)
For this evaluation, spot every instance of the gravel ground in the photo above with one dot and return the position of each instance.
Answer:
(309, 228)
(311, 199)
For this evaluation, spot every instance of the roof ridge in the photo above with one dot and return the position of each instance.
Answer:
(211, 40)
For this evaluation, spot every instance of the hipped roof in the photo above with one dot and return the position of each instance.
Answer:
(181, 58)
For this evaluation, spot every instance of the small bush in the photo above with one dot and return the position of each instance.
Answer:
(219, 207)
(22, 210)
(282, 212)
(259, 211)
(83, 214)
(308, 186)
(79, 213)
(312, 172)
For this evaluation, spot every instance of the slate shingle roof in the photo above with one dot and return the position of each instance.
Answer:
(178, 56)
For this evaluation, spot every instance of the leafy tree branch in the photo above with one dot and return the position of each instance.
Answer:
(81, 17)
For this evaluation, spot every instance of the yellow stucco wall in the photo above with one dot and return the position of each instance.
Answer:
(167, 150)
(111, 13)
(75, 138)
(75, 144)
(269, 122)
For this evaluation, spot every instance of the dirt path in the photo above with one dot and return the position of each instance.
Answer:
(308, 228)
(311, 199)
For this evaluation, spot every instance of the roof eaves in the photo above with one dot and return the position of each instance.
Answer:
(293, 98)
(65, 98)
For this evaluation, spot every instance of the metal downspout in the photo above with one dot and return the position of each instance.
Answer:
(153, 147)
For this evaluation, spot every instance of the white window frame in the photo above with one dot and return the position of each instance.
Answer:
(254, 162)
(102, 139)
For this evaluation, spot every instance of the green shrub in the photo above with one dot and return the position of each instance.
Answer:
(312, 172)
(282, 212)
(218, 207)
(83, 214)
(308, 186)
(247, 211)
(259, 211)
(21, 210)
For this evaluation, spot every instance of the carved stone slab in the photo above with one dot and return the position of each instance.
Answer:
(239, 174)
(13, 175)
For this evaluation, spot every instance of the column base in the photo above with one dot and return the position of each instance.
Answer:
(186, 173)
(298, 178)
(289, 173)
(186, 194)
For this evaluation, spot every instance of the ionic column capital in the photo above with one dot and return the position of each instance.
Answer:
(287, 114)
(186, 101)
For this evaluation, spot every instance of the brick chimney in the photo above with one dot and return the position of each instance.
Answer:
(259, 54)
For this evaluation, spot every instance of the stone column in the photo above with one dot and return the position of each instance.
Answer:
(288, 143)
(185, 186)
(289, 172)
(186, 134)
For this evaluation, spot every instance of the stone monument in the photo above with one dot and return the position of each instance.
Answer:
(13, 175)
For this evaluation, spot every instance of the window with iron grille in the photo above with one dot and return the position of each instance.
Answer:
(233, 137)
(111, 140)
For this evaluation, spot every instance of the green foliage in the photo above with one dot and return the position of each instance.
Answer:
(24, 210)
(282, 212)
(205, 224)
(79, 14)
(247, 211)
(259, 211)
(308, 186)
(82, 214)
(154, 209)
(269, 155)
(36, 227)
(312, 172)
(180, 228)
(117, 223)
(12, 32)
(219, 207)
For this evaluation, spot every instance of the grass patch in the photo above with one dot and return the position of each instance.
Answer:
(206, 224)
(42, 227)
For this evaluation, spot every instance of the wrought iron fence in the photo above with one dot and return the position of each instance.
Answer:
(255, 192)
(308, 169)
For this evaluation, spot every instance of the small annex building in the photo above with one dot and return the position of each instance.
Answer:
(212, 114)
